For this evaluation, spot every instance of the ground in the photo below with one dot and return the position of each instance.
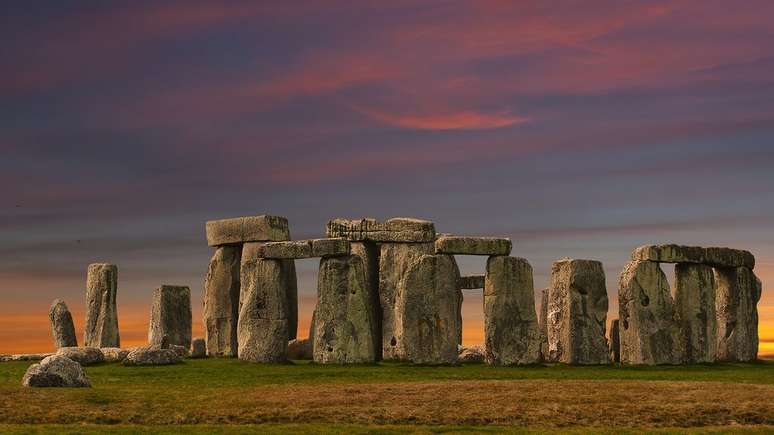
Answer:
(230, 396)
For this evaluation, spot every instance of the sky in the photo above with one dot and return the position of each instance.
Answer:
(578, 129)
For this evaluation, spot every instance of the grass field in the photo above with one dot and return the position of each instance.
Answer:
(228, 396)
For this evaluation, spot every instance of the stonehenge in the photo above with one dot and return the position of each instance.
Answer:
(221, 301)
(101, 329)
(62, 327)
(738, 291)
(56, 371)
(171, 316)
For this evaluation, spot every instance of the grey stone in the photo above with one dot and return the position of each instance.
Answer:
(295, 249)
(369, 253)
(695, 312)
(648, 331)
(394, 261)
(114, 354)
(56, 371)
(738, 291)
(240, 230)
(101, 329)
(198, 348)
(428, 311)
(471, 355)
(577, 313)
(466, 245)
(472, 282)
(181, 351)
(152, 356)
(221, 301)
(615, 341)
(331, 247)
(171, 316)
(84, 356)
(24, 357)
(300, 349)
(543, 322)
(718, 257)
(62, 327)
(343, 327)
(396, 230)
(511, 330)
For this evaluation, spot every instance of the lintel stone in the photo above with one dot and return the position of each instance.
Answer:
(240, 230)
(395, 230)
(466, 245)
(717, 257)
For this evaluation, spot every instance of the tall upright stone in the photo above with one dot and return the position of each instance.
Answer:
(62, 327)
(615, 341)
(264, 314)
(369, 254)
(343, 326)
(648, 331)
(221, 301)
(577, 313)
(511, 330)
(543, 322)
(428, 311)
(171, 316)
(738, 291)
(101, 328)
(695, 312)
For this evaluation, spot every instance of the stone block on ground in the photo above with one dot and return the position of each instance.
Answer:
(56, 371)
(171, 316)
(468, 245)
(62, 327)
(471, 355)
(695, 312)
(738, 291)
(114, 354)
(221, 301)
(198, 348)
(472, 282)
(395, 230)
(300, 349)
(717, 257)
(240, 230)
(101, 328)
(152, 356)
(82, 355)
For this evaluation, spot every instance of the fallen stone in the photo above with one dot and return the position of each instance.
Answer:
(300, 349)
(718, 257)
(84, 356)
(472, 282)
(577, 313)
(152, 356)
(343, 327)
(334, 247)
(114, 354)
(543, 323)
(648, 331)
(394, 261)
(465, 245)
(171, 316)
(247, 229)
(181, 351)
(221, 301)
(615, 341)
(511, 330)
(471, 355)
(198, 348)
(101, 329)
(24, 357)
(56, 371)
(695, 312)
(395, 230)
(428, 311)
(738, 291)
(369, 253)
(62, 328)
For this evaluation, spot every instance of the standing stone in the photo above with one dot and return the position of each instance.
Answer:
(343, 327)
(291, 292)
(394, 262)
(511, 330)
(543, 322)
(171, 316)
(199, 348)
(264, 314)
(615, 341)
(695, 312)
(101, 329)
(369, 253)
(648, 332)
(428, 311)
(738, 291)
(577, 313)
(221, 301)
(62, 328)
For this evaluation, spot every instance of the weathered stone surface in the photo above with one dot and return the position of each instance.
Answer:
(24, 357)
(56, 371)
(394, 261)
(511, 330)
(615, 341)
(343, 327)
(152, 356)
(115, 354)
(82, 355)
(543, 323)
(577, 313)
(101, 329)
(247, 229)
(472, 282)
(428, 311)
(332, 247)
(295, 249)
(62, 327)
(396, 230)
(198, 348)
(300, 349)
(718, 257)
(466, 245)
(221, 301)
(738, 291)
(264, 313)
(369, 253)
(648, 331)
(695, 312)
(471, 355)
(181, 351)
(171, 316)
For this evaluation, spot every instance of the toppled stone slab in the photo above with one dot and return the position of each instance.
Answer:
(648, 331)
(56, 371)
(615, 341)
(82, 355)
(101, 329)
(717, 257)
(240, 230)
(466, 245)
(330, 247)
(115, 354)
(171, 316)
(300, 349)
(471, 355)
(738, 291)
(577, 313)
(62, 327)
(152, 356)
(472, 282)
(396, 230)
(198, 348)
(221, 301)
(695, 312)
(511, 330)
(24, 357)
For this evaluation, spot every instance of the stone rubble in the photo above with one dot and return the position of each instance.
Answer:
(84, 356)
